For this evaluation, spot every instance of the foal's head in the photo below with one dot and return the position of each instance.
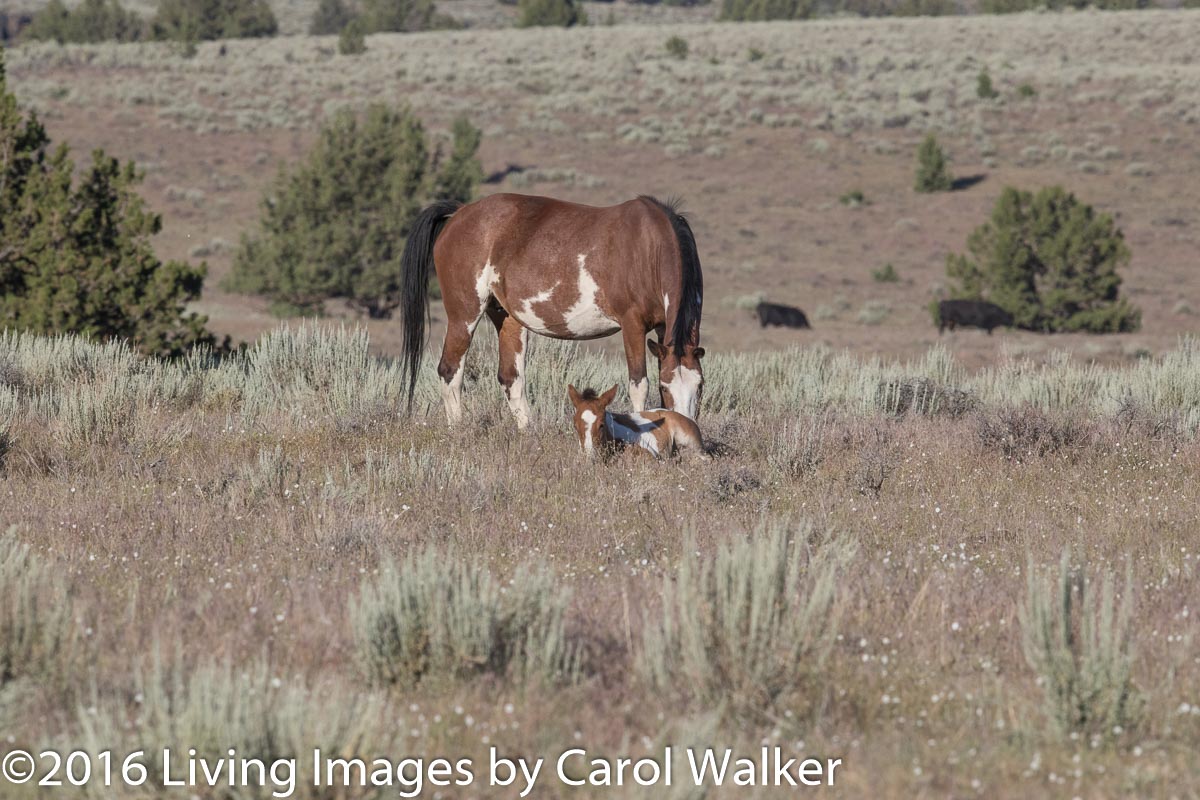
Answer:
(680, 378)
(589, 416)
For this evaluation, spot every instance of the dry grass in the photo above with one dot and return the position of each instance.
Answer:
(232, 515)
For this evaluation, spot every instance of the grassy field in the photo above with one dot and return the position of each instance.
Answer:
(965, 566)
(212, 546)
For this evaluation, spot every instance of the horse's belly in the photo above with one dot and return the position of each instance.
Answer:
(583, 320)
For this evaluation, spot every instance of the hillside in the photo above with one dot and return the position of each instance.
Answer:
(761, 129)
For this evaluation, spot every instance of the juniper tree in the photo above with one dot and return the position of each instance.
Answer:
(1050, 260)
(75, 254)
(563, 13)
(932, 175)
(335, 225)
(330, 17)
(203, 20)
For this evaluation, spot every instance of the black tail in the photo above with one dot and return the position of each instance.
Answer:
(415, 265)
(691, 299)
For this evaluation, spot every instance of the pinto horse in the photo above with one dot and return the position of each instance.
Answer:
(563, 270)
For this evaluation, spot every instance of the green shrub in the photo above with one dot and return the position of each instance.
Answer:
(37, 632)
(885, 274)
(75, 252)
(1026, 90)
(747, 625)
(1077, 639)
(459, 175)
(853, 198)
(204, 20)
(1051, 261)
(253, 709)
(91, 21)
(758, 10)
(439, 616)
(334, 226)
(932, 174)
(562, 13)
(331, 17)
(984, 89)
(351, 41)
(755, 54)
(677, 47)
(398, 16)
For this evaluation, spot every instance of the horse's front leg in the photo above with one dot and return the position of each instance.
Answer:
(634, 336)
(513, 339)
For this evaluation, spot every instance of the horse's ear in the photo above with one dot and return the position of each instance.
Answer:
(573, 393)
(610, 395)
(657, 349)
(698, 352)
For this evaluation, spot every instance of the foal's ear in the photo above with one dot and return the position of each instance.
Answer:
(698, 352)
(610, 395)
(573, 393)
(657, 349)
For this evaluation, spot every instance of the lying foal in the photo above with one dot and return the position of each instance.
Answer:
(657, 431)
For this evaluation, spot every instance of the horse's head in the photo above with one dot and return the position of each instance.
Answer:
(680, 378)
(589, 417)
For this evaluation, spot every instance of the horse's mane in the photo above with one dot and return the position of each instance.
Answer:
(687, 317)
(589, 394)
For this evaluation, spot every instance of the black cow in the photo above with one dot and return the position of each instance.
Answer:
(781, 315)
(972, 314)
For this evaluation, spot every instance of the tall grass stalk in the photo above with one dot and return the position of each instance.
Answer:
(1077, 639)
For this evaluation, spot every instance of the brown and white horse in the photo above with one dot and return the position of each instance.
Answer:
(657, 431)
(563, 270)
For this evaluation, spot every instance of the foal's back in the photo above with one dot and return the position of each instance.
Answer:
(658, 431)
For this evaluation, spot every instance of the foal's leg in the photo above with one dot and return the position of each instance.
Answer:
(634, 336)
(450, 368)
(513, 339)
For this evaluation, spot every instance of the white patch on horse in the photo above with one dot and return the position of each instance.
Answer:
(684, 388)
(589, 418)
(517, 402)
(585, 319)
(641, 433)
(488, 277)
(526, 314)
(637, 394)
(666, 303)
(452, 395)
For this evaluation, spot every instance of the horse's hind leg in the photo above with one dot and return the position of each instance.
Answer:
(450, 368)
(513, 340)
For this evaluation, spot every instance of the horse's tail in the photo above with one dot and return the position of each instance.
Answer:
(415, 266)
(691, 292)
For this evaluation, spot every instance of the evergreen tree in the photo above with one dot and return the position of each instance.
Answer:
(330, 17)
(335, 226)
(932, 175)
(90, 21)
(351, 41)
(1051, 261)
(399, 16)
(204, 20)
(562, 13)
(462, 173)
(75, 255)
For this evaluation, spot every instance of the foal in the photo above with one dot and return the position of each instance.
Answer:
(657, 431)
